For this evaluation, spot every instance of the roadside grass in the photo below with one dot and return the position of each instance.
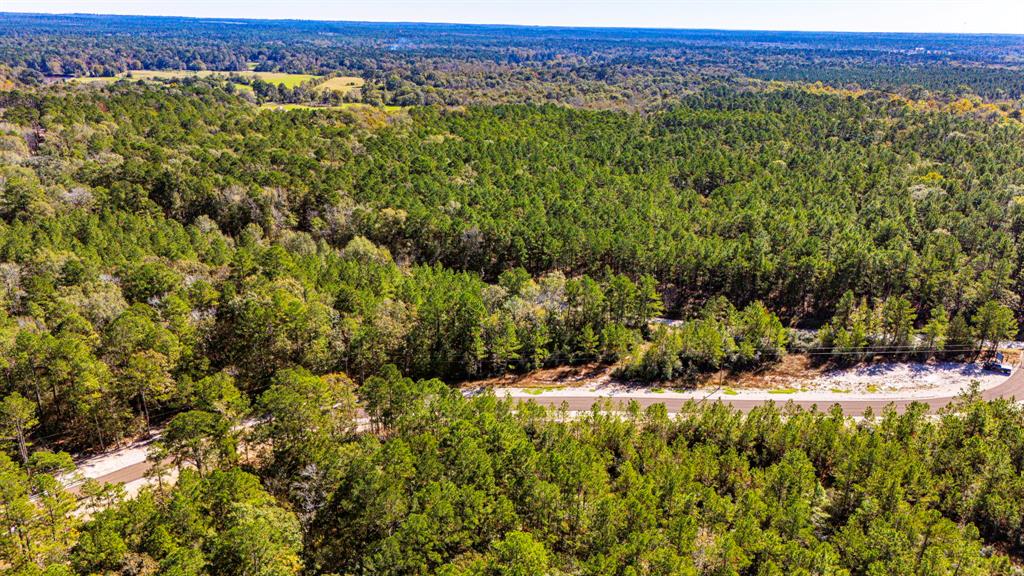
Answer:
(730, 392)
(784, 391)
(538, 390)
(872, 388)
(841, 390)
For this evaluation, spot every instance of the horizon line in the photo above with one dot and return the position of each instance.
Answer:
(508, 25)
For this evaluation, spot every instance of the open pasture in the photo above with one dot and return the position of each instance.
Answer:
(343, 84)
(289, 80)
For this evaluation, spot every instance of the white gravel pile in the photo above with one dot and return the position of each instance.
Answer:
(937, 379)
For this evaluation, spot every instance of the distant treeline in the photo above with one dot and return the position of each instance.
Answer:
(458, 64)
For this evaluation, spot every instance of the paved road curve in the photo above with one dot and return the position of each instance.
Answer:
(1013, 387)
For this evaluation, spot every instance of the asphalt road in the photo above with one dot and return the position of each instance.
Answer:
(1013, 387)
(127, 474)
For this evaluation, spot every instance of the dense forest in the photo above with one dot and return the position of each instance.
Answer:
(453, 486)
(786, 197)
(292, 297)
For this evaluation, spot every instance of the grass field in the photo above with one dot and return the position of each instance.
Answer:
(286, 107)
(357, 105)
(96, 79)
(343, 84)
(343, 106)
(289, 80)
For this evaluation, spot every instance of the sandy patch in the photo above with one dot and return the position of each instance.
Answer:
(795, 381)
(943, 378)
(103, 464)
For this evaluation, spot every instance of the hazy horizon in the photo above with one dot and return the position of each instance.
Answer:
(900, 16)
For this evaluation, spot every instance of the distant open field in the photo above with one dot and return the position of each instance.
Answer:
(343, 106)
(287, 107)
(343, 84)
(289, 80)
(89, 79)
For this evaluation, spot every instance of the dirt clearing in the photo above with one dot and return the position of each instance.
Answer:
(794, 377)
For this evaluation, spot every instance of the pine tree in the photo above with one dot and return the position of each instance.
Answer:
(17, 417)
(587, 343)
(936, 330)
(961, 341)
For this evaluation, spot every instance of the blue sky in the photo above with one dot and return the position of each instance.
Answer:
(1001, 16)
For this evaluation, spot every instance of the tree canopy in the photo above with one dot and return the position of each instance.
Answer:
(286, 285)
